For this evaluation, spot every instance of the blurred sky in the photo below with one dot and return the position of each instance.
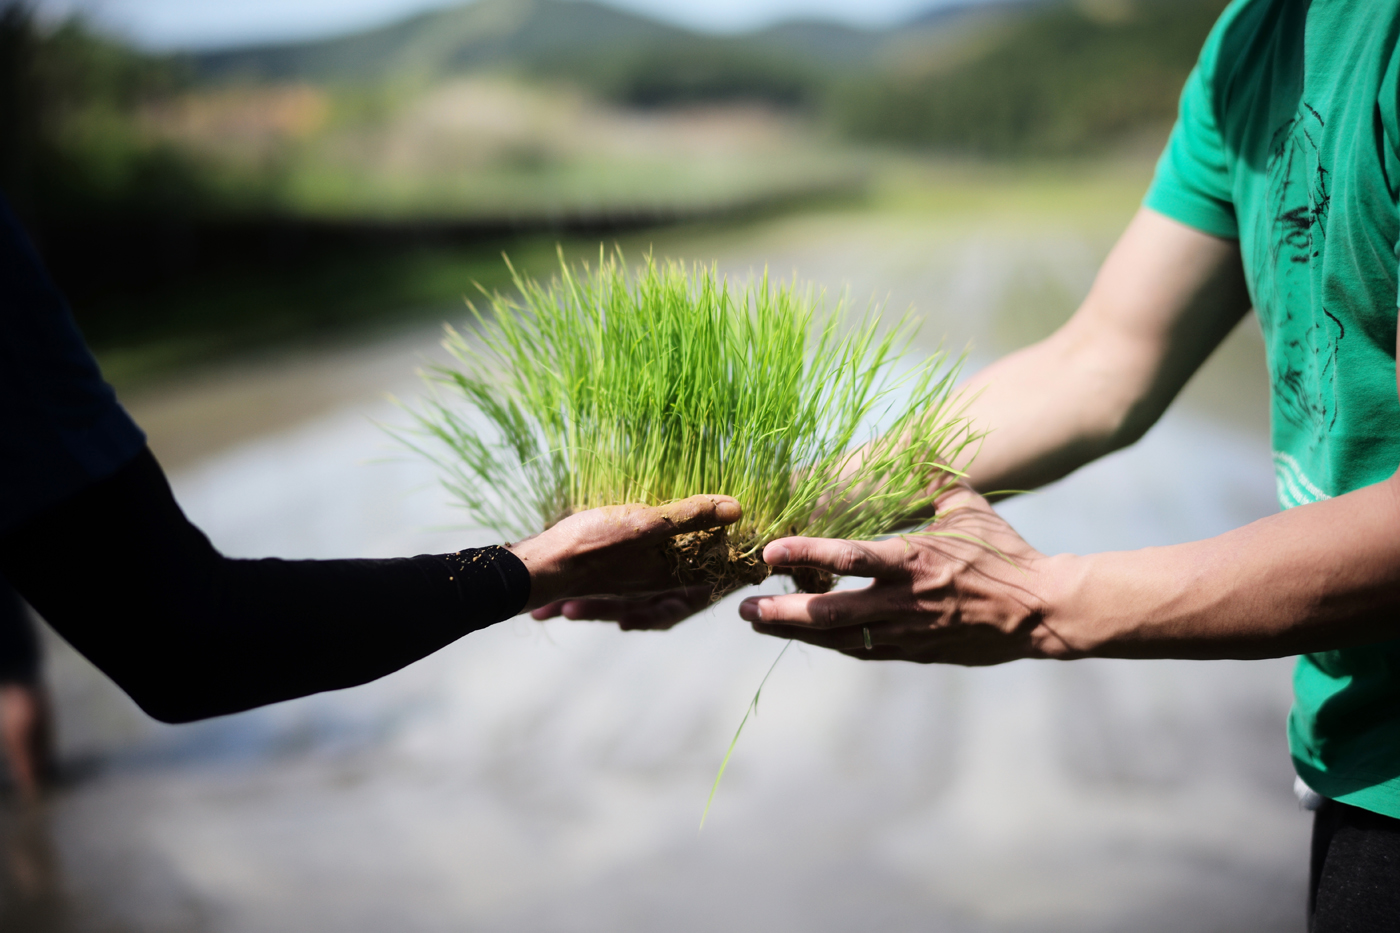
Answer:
(206, 23)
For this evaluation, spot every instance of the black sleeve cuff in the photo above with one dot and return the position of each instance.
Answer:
(492, 584)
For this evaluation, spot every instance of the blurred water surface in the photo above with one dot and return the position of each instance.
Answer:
(551, 777)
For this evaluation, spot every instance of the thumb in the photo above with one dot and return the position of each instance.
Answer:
(693, 514)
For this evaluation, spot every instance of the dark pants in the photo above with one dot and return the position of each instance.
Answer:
(1355, 885)
(19, 643)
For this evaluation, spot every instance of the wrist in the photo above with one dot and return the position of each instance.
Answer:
(548, 581)
(1070, 627)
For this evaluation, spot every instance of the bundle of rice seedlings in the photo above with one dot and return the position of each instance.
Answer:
(604, 386)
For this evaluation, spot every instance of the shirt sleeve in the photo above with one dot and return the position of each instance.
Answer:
(62, 426)
(122, 575)
(1192, 183)
(1388, 107)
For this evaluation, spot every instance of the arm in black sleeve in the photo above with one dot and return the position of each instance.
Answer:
(121, 573)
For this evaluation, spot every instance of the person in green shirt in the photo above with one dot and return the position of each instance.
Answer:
(1279, 189)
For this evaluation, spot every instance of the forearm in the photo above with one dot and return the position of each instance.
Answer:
(1049, 409)
(1314, 578)
(1039, 414)
(1164, 299)
(188, 633)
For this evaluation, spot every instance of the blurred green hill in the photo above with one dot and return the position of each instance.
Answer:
(1005, 77)
(441, 43)
(524, 107)
(623, 56)
(626, 56)
(1056, 79)
(532, 35)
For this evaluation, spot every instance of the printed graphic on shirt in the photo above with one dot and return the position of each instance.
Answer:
(1303, 368)
(1294, 487)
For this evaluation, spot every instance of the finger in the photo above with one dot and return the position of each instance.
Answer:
(593, 610)
(658, 615)
(662, 611)
(693, 514)
(549, 611)
(887, 560)
(669, 609)
(825, 611)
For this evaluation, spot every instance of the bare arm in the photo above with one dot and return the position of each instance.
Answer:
(1164, 299)
(1317, 577)
(1314, 578)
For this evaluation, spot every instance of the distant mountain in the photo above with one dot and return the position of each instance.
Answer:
(469, 37)
(821, 40)
(582, 34)
(1059, 78)
(997, 77)
(960, 9)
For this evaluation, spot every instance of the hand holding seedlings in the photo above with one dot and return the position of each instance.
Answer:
(967, 590)
(619, 550)
(608, 386)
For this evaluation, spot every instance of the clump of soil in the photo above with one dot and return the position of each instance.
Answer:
(710, 557)
(812, 579)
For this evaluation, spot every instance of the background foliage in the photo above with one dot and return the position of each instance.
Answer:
(1060, 80)
(73, 146)
(90, 125)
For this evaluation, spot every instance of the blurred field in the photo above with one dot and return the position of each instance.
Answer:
(991, 258)
(497, 147)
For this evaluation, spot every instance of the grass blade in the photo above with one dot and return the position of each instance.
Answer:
(751, 711)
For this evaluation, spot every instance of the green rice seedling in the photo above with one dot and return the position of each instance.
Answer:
(606, 385)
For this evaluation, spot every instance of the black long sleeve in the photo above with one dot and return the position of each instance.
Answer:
(121, 573)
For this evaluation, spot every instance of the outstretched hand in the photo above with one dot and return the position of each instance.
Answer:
(618, 551)
(966, 590)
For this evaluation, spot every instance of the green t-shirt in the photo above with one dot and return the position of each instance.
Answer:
(1288, 140)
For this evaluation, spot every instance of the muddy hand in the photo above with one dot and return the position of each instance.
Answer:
(615, 551)
(965, 591)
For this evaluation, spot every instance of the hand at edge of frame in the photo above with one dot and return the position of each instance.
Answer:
(966, 590)
(614, 551)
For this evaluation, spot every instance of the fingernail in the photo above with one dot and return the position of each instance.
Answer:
(776, 554)
(751, 610)
(728, 511)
